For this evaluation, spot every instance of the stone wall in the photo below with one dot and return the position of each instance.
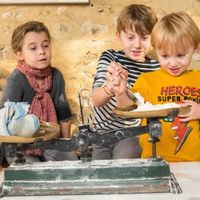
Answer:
(79, 34)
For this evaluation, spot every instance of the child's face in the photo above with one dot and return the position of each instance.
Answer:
(135, 46)
(175, 63)
(36, 50)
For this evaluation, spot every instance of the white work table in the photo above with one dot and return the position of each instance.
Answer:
(187, 175)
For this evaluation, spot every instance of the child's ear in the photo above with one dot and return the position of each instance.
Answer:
(118, 35)
(20, 56)
(198, 48)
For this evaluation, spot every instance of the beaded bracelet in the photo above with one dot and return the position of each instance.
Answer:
(106, 90)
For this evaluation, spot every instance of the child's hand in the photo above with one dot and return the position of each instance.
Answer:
(116, 78)
(194, 114)
(116, 69)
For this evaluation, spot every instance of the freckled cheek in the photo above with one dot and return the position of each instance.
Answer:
(163, 63)
(146, 44)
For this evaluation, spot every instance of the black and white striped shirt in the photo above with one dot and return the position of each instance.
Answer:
(104, 118)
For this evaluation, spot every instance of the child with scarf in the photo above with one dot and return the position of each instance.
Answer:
(35, 81)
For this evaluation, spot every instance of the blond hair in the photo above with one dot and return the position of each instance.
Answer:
(137, 16)
(20, 32)
(175, 32)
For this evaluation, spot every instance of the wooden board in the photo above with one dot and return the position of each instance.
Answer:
(46, 132)
(150, 113)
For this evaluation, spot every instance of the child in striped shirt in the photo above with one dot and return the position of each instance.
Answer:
(134, 26)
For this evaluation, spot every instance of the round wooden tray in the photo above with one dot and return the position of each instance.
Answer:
(46, 132)
(151, 113)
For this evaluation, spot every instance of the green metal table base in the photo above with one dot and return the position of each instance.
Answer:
(96, 177)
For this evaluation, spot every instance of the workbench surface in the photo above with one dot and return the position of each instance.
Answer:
(187, 175)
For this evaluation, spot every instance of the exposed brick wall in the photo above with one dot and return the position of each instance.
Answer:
(79, 34)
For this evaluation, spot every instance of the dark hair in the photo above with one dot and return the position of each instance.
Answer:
(140, 16)
(20, 32)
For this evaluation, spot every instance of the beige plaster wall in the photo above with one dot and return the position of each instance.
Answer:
(79, 34)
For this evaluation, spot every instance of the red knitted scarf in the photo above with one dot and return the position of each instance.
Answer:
(42, 105)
